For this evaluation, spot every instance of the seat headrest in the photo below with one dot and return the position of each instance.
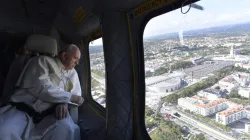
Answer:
(41, 44)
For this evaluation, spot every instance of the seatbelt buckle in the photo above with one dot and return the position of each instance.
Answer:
(37, 117)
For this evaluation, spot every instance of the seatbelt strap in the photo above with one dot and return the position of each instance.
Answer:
(22, 74)
(36, 116)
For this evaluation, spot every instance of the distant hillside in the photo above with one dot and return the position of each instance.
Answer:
(162, 36)
(95, 49)
(227, 30)
(238, 28)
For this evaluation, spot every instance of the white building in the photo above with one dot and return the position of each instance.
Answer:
(149, 70)
(244, 92)
(242, 78)
(169, 83)
(202, 106)
(188, 103)
(247, 113)
(247, 128)
(234, 52)
(237, 58)
(210, 94)
(223, 88)
(234, 81)
(228, 83)
(233, 56)
(231, 115)
(206, 109)
(242, 65)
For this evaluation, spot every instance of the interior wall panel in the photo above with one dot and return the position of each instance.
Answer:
(119, 77)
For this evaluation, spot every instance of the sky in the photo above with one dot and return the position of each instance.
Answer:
(215, 13)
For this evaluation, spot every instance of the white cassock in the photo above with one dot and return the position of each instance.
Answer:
(42, 84)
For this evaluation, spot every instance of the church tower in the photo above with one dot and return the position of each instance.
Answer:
(232, 52)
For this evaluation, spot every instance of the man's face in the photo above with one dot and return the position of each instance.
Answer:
(71, 59)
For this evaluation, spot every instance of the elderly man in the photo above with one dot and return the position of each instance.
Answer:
(47, 85)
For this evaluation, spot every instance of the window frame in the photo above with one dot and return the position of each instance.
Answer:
(90, 97)
(141, 61)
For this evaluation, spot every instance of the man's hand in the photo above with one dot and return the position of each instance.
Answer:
(76, 99)
(61, 111)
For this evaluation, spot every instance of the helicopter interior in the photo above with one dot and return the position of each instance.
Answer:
(120, 24)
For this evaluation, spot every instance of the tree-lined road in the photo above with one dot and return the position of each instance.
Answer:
(203, 127)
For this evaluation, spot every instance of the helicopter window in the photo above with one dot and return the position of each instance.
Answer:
(197, 65)
(97, 71)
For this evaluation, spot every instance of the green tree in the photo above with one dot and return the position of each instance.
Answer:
(160, 71)
(148, 111)
(198, 137)
(99, 73)
(239, 69)
(240, 101)
(217, 87)
(187, 111)
(150, 124)
(148, 74)
(167, 131)
(181, 64)
(152, 121)
(234, 95)
(245, 52)
(172, 98)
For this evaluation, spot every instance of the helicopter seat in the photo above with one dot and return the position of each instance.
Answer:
(12, 77)
(37, 44)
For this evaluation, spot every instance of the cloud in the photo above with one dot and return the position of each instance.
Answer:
(213, 15)
(96, 42)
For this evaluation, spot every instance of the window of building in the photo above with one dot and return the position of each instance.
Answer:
(186, 54)
(97, 71)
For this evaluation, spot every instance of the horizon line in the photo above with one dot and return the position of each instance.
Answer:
(148, 37)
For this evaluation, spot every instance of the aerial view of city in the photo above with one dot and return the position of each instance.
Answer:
(197, 77)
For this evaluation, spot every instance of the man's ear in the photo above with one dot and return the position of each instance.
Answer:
(64, 55)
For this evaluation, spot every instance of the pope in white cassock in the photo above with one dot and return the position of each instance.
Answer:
(47, 83)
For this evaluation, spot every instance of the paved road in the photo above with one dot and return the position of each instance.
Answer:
(153, 129)
(204, 128)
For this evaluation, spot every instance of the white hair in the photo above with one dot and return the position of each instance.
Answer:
(70, 48)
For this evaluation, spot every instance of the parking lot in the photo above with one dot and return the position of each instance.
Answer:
(200, 71)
